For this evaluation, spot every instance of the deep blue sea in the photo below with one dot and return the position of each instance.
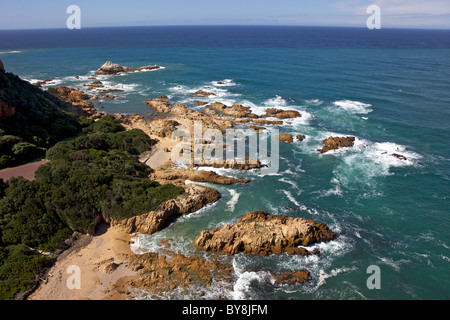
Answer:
(389, 88)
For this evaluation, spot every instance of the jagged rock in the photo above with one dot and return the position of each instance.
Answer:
(286, 137)
(179, 176)
(39, 84)
(282, 114)
(166, 271)
(399, 156)
(199, 103)
(161, 106)
(333, 143)
(94, 85)
(258, 129)
(245, 164)
(289, 277)
(300, 137)
(202, 93)
(261, 233)
(195, 198)
(2, 67)
(163, 97)
(110, 68)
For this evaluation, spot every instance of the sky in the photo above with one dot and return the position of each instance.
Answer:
(38, 14)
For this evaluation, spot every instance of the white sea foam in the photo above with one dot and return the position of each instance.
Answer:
(224, 83)
(10, 52)
(245, 280)
(315, 102)
(234, 199)
(323, 276)
(292, 183)
(291, 198)
(356, 107)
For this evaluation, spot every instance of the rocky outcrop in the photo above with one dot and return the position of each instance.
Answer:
(333, 143)
(399, 156)
(6, 111)
(39, 84)
(258, 129)
(245, 164)
(179, 176)
(161, 106)
(195, 198)
(78, 99)
(264, 234)
(110, 68)
(282, 114)
(300, 137)
(291, 278)
(201, 93)
(2, 67)
(286, 137)
(165, 272)
(236, 110)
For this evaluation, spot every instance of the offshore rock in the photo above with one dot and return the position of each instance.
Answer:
(110, 68)
(282, 114)
(286, 137)
(333, 143)
(264, 234)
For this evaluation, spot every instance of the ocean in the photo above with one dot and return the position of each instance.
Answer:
(389, 88)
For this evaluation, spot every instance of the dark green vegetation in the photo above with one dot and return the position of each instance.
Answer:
(92, 178)
(40, 120)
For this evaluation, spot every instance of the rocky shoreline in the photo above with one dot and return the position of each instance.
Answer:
(255, 233)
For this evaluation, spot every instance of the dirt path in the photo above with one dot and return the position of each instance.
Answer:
(27, 171)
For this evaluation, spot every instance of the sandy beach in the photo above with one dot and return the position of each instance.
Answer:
(102, 261)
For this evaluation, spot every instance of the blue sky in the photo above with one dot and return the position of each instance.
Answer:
(28, 14)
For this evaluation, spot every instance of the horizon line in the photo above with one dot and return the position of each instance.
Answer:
(232, 25)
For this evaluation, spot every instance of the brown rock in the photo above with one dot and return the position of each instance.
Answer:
(179, 176)
(110, 68)
(195, 198)
(244, 164)
(161, 106)
(282, 114)
(289, 277)
(300, 137)
(399, 156)
(199, 103)
(165, 272)
(286, 137)
(333, 143)
(258, 129)
(261, 233)
(2, 67)
(202, 93)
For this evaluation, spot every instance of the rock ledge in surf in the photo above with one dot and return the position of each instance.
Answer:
(264, 234)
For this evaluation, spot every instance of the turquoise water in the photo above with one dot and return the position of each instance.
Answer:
(391, 90)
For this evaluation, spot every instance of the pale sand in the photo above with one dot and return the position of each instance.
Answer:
(96, 284)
